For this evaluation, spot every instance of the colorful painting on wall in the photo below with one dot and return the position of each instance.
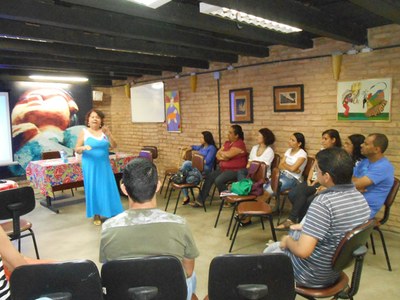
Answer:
(172, 111)
(364, 100)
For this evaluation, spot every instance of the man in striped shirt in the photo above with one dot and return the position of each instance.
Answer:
(336, 210)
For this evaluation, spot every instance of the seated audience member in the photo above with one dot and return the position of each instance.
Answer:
(144, 229)
(232, 157)
(206, 148)
(352, 145)
(301, 195)
(336, 210)
(293, 163)
(261, 152)
(374, 175)
(10, 258)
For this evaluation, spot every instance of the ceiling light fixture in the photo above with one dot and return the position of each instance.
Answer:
(352, 51)
(366, 49)
(58, 78)
(242, 17)
(151, 3)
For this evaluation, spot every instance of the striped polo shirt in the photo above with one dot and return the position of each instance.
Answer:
(331, 215)
(4, 290)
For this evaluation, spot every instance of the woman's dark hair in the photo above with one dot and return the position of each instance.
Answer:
(98, 112)
(334, 134)
(237, 130)
(300, 139)
(208, 138)
(357, 140)
(268, 136)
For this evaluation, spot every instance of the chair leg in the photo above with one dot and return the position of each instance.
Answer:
(372, 243)
(177, 200)
(262, 223)
(212, 195)
(162, 186)
(168, 185)
(271, 224)
(219, 212)
(169, 197)
(384, 248)
(72, 191)
(230, 222)
(34, 243)
(236, 229)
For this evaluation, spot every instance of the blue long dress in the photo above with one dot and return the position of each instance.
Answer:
(101, 192)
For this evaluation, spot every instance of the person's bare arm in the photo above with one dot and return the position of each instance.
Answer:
(10, 256)
(231, 153)
(110, 137)
(302, 248)
(292, 168)
(79, 148)
(188, 265)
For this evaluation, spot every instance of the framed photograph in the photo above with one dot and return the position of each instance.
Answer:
(241, 105)
(289, 98)
(364, 100)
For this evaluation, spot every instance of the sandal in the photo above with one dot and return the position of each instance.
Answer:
(196, 204)
(285, 225)
(97, 220)
(186, 201)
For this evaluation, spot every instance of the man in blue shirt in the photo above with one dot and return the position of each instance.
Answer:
(374, 175)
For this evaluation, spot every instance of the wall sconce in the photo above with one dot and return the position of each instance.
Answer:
(336, 64)
(193, 82)
(366, 49)
(230, 68)
(352, 51)
(127, 88)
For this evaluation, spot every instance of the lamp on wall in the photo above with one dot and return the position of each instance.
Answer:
(336, 64)
(193, 82)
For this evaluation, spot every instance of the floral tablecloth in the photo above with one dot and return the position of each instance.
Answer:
(44, 174)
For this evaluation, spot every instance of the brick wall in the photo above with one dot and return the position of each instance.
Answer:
(199, 109)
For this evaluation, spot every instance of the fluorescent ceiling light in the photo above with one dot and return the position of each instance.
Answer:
(59, 78)
(151, 3)
(242, 17)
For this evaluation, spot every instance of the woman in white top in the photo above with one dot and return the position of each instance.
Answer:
(292, 164)
(261, 152)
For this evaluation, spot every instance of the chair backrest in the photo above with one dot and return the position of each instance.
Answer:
(80, 280)
(355, 238)
(307, 168)
(198, 161)
(257, 171)
(146, 154)
(275, 180)
(276, 161)
(152, 149)
(51, 155)
(123, 278)
(389, 200)
(15, 203)
(230, 274)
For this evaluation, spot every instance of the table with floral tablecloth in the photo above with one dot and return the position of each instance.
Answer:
(53, 174)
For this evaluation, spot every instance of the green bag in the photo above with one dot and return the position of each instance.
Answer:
(242, 187)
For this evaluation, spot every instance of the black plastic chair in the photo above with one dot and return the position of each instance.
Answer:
(388, 204)
(144, 278)
(351, 248)
(15, 203)
(77, 280)
(258, 276)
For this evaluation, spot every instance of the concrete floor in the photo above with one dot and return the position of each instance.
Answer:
(70, 235)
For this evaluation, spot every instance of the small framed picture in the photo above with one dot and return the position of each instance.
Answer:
(241, 105)
(289, 98)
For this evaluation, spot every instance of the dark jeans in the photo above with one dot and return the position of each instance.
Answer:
(219, 178)
(301, 197)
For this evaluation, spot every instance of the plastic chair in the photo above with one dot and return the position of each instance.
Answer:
(15, 203)
(235, 200)
(53, 155)
(284, 194)
(388, 204)
(151, 277)
(78, 280)
(351, 248)
(258, 276)
(197, 162)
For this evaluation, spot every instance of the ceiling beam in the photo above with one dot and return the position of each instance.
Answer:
(75, 37)
(298, 15)
(81, 52)
(388, 9)
(97, 21)
(188, 15)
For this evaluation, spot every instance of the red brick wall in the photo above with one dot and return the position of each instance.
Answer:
(199, 109)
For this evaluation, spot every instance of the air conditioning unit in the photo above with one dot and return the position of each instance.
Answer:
(97, 96)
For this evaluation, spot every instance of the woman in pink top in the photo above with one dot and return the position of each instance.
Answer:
(232, 157)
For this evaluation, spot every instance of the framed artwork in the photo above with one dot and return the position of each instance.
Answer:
(364, 100)
(289, 98)
(173, 111)
(241, 105)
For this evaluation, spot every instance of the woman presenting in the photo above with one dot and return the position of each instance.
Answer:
(101, 192)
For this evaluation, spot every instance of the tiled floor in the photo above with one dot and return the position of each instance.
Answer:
(69, 235)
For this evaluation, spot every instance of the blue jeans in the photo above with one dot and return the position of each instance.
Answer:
(287, 182)
(191, 283)
(187, 166)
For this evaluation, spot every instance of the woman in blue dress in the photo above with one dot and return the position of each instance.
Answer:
(101, 192)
